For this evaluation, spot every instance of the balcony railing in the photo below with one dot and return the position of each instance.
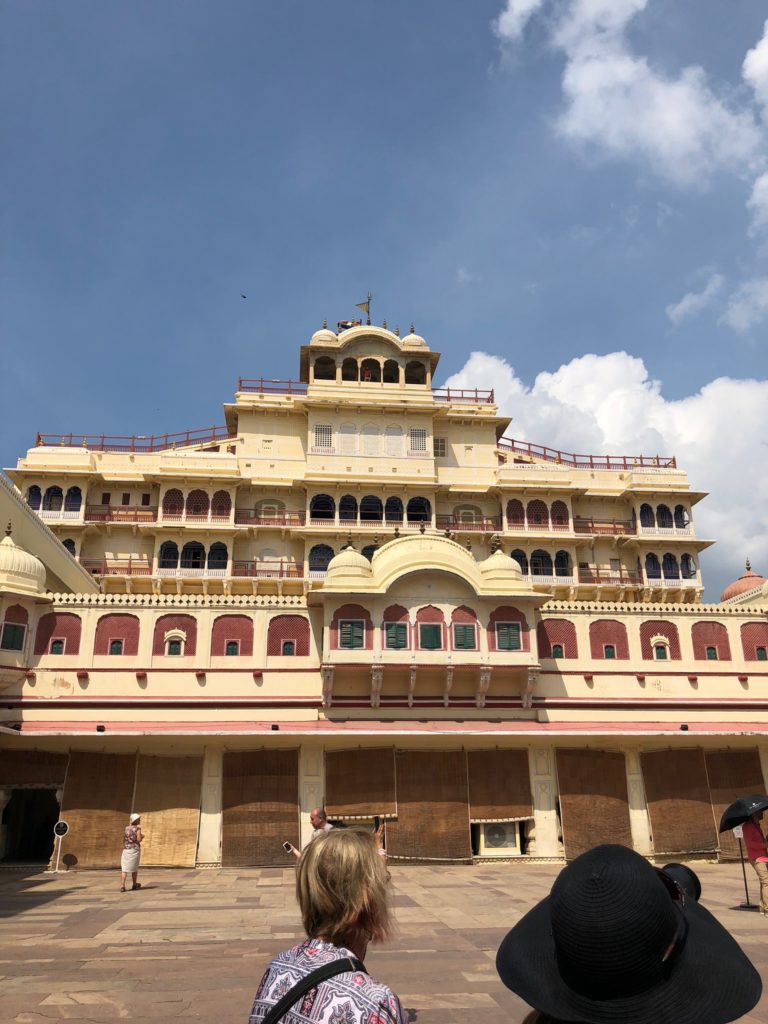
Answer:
(193, 517)
(120, 513)
(250, 517)
(480, 524)
(278, 569)
(610, 577)
(473, 396)
(264, 386)
(138, 442)
(556, 580)
(661, 579)
(59, 514)
(665, 531)
(539, 451)
(117, 567)
(192, 572)
(606, 527)
(523, 526)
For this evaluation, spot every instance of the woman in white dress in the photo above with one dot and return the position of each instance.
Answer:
(129, 862)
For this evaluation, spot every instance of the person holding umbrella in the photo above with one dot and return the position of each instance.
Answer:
(757, 854)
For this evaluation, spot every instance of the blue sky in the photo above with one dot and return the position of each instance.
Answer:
(534, 180)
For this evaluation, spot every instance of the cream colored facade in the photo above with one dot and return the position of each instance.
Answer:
(362, 567)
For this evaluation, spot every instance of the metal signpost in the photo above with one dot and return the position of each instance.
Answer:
(60, 829)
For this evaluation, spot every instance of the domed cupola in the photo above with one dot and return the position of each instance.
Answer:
(324, 336)
(348, 563)
(20, 572)
(413, 340)
(743, 585)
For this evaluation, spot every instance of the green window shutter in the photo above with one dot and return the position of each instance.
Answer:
(508, 636)
(13, 637)
(610, 652)
(430, 637)
(464, 638)
(351, 635)
(396, 636)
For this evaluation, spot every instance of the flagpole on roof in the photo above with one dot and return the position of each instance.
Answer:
(366, 308)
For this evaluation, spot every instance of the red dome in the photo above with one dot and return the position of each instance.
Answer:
(749, 581)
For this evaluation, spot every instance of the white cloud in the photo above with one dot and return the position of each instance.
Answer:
(694, 302)
(609, 404)
(748, 306)
(755, 69)
(515, 16)
(464, 276)
(758, 204)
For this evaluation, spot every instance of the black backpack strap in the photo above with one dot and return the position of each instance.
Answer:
(312, 980)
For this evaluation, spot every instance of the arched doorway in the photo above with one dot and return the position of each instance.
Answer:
(29, 818)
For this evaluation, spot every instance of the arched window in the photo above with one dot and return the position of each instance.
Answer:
(348, 509)
(73, 500)
(419, 510)
(395, 631)
(647, 517)
(537, 514)
(173, 503)
(177, 631)
(269, 508)
(515, 513)
(393, 438)
(369, 551)
(116, 647)
(58, 633)
(541, 563)
(229, 631)
(53, 500)
(197, 505)
(522, 560)
(669, 567)
(430, 627)
(174, 646)
(217, 556)
(467, 514)
(370, 439)
(711, 654)
(754, 641)
(348, 439)
(351, 628)
(322, 507)
(652, 566)
(393, 510)
(415, 373)
(319, 557)
(560, 519)
(13, 631)
(465, 633)
(371, 509)
(655, 632)
(508, 630)
(661, 652)
(370, 371)
(221, 505)
(168, 557)
(391, 372)
(349, 369)
(687, 567)
(664, 517)
(559, 634)
(325, 368)
(69, 544)
(681, 517)
(193, 555)
(557, 650)
(563, 564)
(34, 497)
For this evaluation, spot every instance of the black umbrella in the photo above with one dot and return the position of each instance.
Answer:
(741, 810)
(737, 813)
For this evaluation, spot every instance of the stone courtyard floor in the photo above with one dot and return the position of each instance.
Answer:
(193, 945)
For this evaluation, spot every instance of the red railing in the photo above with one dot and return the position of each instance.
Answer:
(264, 386)
(539, 451)
(472, 395)
(120, 513)
(614, 577)
(609, 527)
(121, 567)
(249, 517)
(269, 569)
(482, 524)
(138, 442)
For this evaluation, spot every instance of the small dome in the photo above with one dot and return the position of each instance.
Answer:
(749, 581)
(324, 336)
(500, 566)
(348, 561)
(20, 572)
(413, 340)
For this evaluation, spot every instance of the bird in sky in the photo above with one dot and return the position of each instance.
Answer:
(243, 296)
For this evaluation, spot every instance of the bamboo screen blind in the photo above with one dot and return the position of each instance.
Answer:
(31, 767)
(593, 799)
(499, 785)
(678, 800)
(360, 783)
(260, 804)
(731, 774)
(432, 807)
(96, 806)
(168, 799)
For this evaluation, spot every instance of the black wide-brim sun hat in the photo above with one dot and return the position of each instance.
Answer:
(611, 944)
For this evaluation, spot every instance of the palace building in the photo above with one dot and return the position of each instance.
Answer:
(361, 592)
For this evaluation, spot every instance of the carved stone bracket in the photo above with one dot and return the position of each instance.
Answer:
(411, 685)
(483, 683)
(377, 678)
(530, 686)
(327, 673)
(448, 684)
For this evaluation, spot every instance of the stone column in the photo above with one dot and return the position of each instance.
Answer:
(544, 789)
(311, 786)
(638, 808)
(209, 835)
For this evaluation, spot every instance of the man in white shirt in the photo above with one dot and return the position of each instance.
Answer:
(320, 825)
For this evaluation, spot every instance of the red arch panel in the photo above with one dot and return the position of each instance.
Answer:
(186, 623)
(58, 625)
(117, 627)
(288, 627)
(753, 635)
(710, 634)
(608, 631)
(557, 631)
(232, 627)
(657, 627)
(506, 613)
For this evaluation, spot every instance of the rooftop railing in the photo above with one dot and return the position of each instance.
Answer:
(538, 451)
(265, 386)
(120, 513)
(137, 443)
(474, 396)
(250, 517)
(602, 527)
(117, 567)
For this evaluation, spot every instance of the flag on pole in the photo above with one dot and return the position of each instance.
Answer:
(365, 306)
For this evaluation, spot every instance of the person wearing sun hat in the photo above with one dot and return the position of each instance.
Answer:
(129, 861)
(617, 941)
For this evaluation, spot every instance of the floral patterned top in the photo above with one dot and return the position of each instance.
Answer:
(348, 998)
(131, 838)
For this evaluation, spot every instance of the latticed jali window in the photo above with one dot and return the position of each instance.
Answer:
(418, 439)
(323, 435)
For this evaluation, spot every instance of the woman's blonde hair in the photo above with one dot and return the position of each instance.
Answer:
(341, 888)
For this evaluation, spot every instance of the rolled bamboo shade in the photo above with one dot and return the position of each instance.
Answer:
(360, 783)
(260, 806)
(168, 799)
(679, 805)
(97, 804)
(594, 807)
(499, 785)
(432, 807)
(731, 774)
(32, 767)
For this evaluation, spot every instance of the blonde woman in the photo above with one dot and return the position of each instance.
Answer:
(129, 862)
(341, 888)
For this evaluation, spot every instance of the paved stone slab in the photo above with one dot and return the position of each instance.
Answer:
(192, 945)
